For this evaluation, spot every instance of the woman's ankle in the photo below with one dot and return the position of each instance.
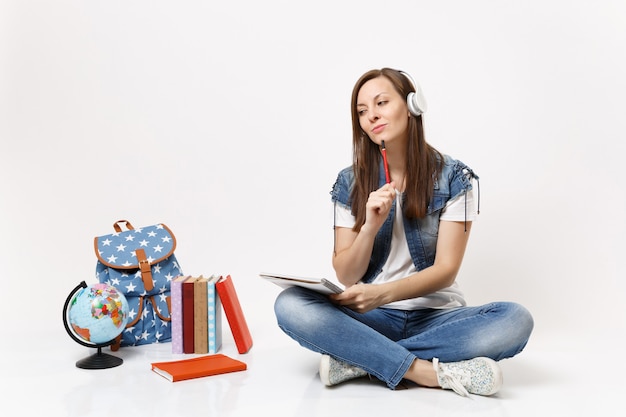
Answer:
(422, 373)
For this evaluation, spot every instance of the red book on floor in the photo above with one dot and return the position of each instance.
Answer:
(198, 367)
(188, 314)
(234, 314)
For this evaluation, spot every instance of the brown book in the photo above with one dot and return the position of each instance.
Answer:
(198, 367)
(200, 316)
(188, 313)
(234, 314)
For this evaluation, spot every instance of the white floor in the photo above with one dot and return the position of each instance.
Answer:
(551, 377)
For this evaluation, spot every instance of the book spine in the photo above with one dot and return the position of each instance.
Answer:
(200, 318)
(234, 314)
(188, 312)
(177, 315)
(214, 320)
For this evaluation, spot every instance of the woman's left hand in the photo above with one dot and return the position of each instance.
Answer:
(360, 297)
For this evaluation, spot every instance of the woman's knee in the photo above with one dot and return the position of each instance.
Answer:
(285, 303)
(297, 304)
(522, 318)
(519, 327)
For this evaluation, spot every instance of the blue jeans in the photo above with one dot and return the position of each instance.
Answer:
(385, 342)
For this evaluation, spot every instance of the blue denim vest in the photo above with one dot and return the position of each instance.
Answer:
(421, 234)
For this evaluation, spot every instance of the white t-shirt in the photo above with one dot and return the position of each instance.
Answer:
(399, 264)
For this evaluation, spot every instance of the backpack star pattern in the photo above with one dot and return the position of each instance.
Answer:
(147, 290)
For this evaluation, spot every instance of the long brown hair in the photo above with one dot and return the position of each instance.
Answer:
(423, 162)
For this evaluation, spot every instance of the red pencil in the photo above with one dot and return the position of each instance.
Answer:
(384, 152)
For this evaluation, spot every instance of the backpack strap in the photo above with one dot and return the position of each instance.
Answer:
(144, 266)
(115, 346)
(118, 228)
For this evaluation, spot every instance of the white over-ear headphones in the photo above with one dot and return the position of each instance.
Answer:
(415, 101)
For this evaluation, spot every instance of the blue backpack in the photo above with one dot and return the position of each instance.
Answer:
(141, 264)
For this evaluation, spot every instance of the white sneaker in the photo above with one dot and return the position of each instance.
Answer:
(333, 372)
(480, 376)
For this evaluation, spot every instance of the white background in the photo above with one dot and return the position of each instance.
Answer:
(228, 121)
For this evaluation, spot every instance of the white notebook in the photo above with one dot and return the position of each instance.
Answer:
(321, 285)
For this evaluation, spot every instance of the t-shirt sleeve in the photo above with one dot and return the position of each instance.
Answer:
(456, 210)
(343, 217)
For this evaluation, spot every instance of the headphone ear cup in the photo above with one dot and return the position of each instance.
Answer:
(416, 102)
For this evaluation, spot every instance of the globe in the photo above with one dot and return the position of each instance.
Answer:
(98, 313)
(94, 315)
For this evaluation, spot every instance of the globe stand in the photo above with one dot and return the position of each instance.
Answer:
(98, 360)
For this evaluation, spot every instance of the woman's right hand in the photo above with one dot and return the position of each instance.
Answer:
(353, 249)
(378, 206)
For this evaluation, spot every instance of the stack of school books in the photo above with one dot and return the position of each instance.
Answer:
(197, 305)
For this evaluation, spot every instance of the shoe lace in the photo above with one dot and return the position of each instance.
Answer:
(455, 380)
